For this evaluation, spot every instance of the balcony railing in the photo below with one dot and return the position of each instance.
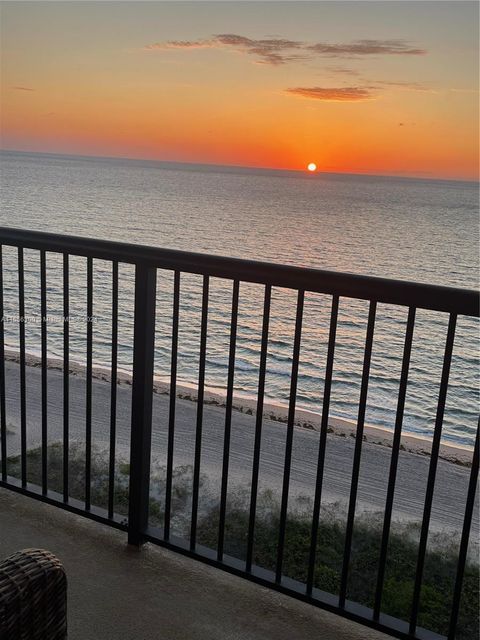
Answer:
(146, 262)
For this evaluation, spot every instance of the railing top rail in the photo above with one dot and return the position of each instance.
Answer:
(384, 290)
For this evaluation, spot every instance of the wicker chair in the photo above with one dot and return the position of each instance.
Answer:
(33, 597)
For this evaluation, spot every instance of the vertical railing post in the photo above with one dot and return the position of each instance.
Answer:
(141, 429)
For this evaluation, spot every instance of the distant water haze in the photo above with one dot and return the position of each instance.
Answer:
(419, 230)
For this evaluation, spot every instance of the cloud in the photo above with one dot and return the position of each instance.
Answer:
(344, 71)
(271, 51)
(366, 48)
(410, 86)
(464, 90)
(23, 88)
(181, 44)
(333, 94)
(275, 50)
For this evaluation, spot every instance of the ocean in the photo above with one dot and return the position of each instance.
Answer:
(410, 229)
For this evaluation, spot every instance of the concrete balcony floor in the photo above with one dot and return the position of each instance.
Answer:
(116, 592)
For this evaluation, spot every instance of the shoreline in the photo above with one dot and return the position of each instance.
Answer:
(304, 418)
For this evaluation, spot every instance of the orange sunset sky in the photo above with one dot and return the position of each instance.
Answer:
(364, 87)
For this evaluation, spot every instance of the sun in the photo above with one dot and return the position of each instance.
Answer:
(312, 166)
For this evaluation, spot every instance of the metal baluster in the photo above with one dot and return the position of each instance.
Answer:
(88, 409)
(357, 453)
(3, 416)
(173, 399)
(66, 371)
(198, 438)
(43, 304)
(113, 390)
(141, 428)
(394, 461)
(432, 471)
(289, 440)
(322, 444)
(23, 399)
(467, 523)
(258, 428)
(228, 420)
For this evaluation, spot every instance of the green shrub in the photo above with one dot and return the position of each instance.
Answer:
(440, 560)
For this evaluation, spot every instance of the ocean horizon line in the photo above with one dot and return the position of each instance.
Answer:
(243, 169)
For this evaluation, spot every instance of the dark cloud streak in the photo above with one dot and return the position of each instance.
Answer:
(367, 48)
(277, 51)
(333, 94)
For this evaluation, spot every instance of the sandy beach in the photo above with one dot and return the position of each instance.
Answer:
(272, 411)
(452, 474)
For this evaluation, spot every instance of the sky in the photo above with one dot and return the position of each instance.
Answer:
(386, 88)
